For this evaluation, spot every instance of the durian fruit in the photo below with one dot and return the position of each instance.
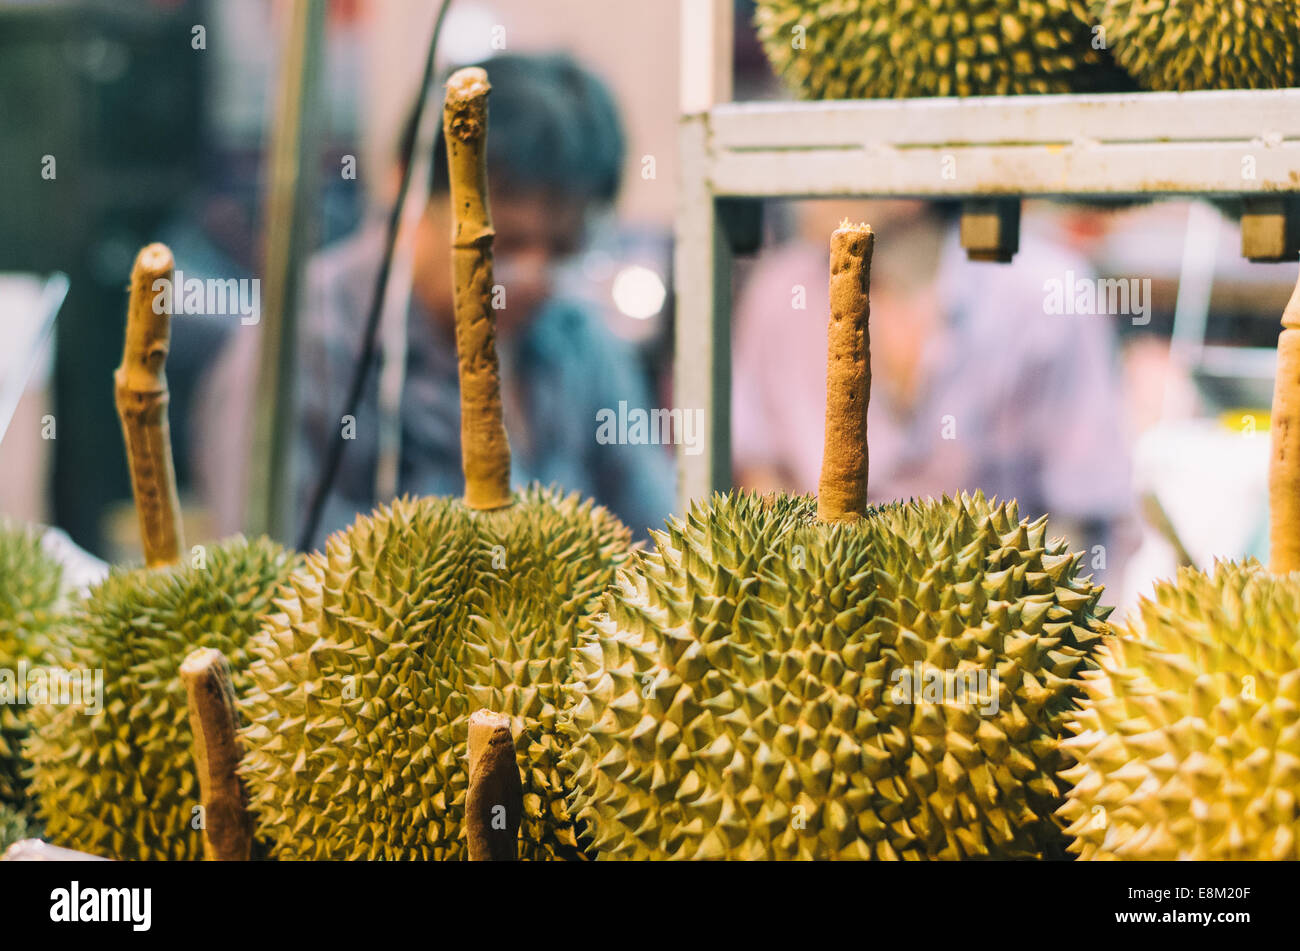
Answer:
(409, 621)
(119, 781)
(747, 689)
(1182, 45)
(868, 49)
(31, 600)
(425, 612)
(1187, 745)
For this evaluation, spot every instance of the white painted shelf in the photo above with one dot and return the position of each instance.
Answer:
(1228, 143)
(1197, 143)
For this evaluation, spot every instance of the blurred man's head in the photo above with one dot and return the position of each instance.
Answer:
(555, 152)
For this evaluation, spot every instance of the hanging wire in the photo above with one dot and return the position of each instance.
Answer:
(361, 369)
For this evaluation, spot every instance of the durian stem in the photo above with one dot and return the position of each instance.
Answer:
(485, 450)
(1284, 464)
(227, 827)
(495, 802)
(842, 491)
(140, 391)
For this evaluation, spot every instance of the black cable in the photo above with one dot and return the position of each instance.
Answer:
(361, 369)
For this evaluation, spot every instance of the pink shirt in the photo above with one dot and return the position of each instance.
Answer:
(1031, 398)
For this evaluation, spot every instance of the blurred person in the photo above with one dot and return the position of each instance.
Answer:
(555, 156)
(974, 384)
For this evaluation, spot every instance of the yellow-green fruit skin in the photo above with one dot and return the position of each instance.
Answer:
(121, 782)
(408, 621)
(1187, 745)
(739, 695)
(31, 600)
(868, 49)
(1184, 45)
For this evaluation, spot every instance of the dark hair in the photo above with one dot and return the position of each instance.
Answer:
(552, 125)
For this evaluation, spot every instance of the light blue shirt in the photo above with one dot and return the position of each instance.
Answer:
(565, 366)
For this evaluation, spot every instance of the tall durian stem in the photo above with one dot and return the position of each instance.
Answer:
(842, 491)
(495, 790)
(227, 826)
(140, 391)
(1284, 464)
(485, 450)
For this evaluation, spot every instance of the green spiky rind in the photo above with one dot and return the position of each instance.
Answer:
(732, 699)
(121, 782)
(407, 622)
(31, 602)
(1205, 44)
(1187, 745)
(867, 49)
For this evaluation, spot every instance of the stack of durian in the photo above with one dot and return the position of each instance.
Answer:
(854, 49)
(378, 654)
(776, 677)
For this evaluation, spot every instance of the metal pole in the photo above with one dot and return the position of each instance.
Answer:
(290, 231)
(702, 263)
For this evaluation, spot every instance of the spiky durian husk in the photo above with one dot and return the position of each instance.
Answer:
(866, 49)
(734, 699)
(31, 598)
(1184, 45)
(410, 620)
(121, 782)
(1188, 742)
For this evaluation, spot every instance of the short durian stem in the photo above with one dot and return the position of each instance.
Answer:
(485, 450)
(1284, 463)
(842, 491)
(227, 825)
(140, 391)
(494, 804)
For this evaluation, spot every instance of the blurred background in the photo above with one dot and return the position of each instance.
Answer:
(1143, 433)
